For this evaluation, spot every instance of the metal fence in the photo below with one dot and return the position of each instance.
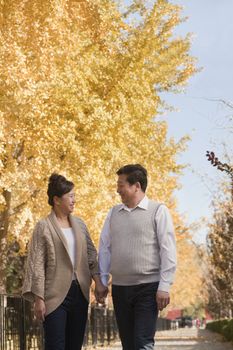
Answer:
(19, 329)
(163, 324)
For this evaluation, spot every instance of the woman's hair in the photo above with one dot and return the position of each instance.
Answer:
(58, 185)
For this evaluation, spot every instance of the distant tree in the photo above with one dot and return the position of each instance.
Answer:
(225, 167)
(220, 244)
(189, 290)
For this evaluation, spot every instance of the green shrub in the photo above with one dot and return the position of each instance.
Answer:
(224, 327)
(228, 330)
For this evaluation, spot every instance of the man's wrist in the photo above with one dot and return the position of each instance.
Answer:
(37, 298)
(164, 286)
(162, 291)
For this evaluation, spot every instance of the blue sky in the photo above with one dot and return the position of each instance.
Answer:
(200, 115)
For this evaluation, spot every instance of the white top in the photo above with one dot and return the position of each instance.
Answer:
(166, 239)
(69, 236)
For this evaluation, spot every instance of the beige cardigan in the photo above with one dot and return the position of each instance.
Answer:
(49, 270)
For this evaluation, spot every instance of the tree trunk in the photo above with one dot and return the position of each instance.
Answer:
(4, 225)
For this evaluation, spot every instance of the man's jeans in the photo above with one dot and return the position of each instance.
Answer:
(64, 328)
(136, 314)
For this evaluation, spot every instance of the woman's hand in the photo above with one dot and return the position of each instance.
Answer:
(39, 309)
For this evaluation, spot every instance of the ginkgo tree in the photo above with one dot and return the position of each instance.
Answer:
(80, 88)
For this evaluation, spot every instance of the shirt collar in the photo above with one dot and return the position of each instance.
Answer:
(143, 204)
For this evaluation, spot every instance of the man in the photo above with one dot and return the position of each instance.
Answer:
(137, 246)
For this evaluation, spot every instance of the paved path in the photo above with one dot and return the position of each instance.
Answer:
(186, 339)
(190, 339)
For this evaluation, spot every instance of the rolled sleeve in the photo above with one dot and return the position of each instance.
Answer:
(91, 255)
(34, 281)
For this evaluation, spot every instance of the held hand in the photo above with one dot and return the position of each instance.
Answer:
(101, 292)
(163, 299)
(39, 309)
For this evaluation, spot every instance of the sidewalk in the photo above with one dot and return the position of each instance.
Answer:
(186, 339)
(191, 339)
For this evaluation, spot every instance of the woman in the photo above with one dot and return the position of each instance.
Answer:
(61, 264)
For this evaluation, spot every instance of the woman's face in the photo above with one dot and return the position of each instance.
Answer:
(66, 202)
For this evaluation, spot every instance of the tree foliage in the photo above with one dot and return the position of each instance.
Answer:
(79, 94)
(190, 290)
(220, 243)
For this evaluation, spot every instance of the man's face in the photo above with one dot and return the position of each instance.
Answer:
(125, 190)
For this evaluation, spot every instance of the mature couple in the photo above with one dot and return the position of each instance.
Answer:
(137, 246)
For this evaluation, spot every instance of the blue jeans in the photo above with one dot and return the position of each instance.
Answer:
(64, 328)
(136, 314)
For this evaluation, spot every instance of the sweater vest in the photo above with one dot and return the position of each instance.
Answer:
(134, 247)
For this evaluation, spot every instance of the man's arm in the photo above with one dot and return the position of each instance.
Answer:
(104, 251)
(167, 245)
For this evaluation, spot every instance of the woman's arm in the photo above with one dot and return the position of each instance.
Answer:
(34, 280)
(101, 290)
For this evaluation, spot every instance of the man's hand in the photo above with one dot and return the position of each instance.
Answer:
(101, 292)
(39, 309)
(163, 299)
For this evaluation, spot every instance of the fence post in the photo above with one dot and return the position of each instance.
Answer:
(1, 321)
(22, 332)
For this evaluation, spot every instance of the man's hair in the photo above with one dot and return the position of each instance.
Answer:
(135, 173)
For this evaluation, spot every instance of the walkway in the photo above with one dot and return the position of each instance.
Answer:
(186, 339)
(190, 339)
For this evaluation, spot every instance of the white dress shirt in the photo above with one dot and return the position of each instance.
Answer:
(166, 239)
